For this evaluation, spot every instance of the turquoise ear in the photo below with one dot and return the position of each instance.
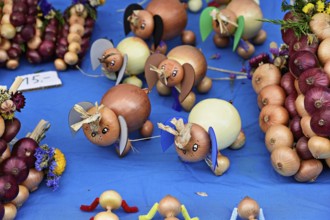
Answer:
(239, 31)
(205, 22)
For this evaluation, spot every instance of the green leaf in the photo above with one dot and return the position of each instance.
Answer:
(205, 22)
(239, 31)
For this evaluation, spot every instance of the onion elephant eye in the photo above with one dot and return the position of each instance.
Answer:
(174, 73)
(105, 130)
(184, 151)
(162, 67)
(143, 25)
(195, 147)
(93, 134)
(112, 63)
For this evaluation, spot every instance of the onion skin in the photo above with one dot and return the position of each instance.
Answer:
(4, 150)
(301, 61)
(271, 95)
(223, 165)
(290, 104)
(23, 195)
(285, 161)
(320, 25)
(251, 12)
(147, 129)
(320, 123)
(169, 206)
(278, 136)
(16, 167)
(188, 103)
(33, 180)
(302, 149)
(295, 127)
(110, 200)
(309, 170)
(129, 101)
(12, 128)
(193, 56)
(311, 78)
(9, 188)
(248, 208)
(317, 99)
(323, 51)
(319, 147)
(26, 148)
(174, 22)
(287, 83)
(239, 142)
(105, 215)
(300, 105)
(305, 124)
(303, 44)
(272, 115)
(10, 211)
(264, 75)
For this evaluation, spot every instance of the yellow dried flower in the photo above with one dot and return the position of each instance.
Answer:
(320, 6)
(327, 9)
(308, 8)
(60, 162)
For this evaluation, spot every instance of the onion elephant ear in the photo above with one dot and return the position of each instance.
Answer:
(122, 69)
(75, 117)
(128, 12)
(123, 139)
(158, 30)
(187, 82)
(205, 22)
(97, 50)
(214, 148)
(167, 138)
(150, 75)
(239, 31)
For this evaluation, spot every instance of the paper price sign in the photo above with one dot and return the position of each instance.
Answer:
(40, 81)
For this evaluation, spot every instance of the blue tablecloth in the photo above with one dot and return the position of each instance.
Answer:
(147, 175)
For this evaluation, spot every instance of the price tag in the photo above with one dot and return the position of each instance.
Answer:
(40, 81)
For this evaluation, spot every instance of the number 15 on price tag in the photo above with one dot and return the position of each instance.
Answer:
(40, 81)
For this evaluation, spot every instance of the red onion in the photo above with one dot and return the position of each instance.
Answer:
(312, 77)
(20, 6)
(8, 188)
(304, 43)
(47, 48)
(290, 104)
(320, 123)
(302, 149)
(301, 61)
(33, 56)
(17, 19)
(295, 128)
(12, 127)
(316, 99)
(16, 167)
(2, 211)
(26, 148)
(4, 150)
(288, 35)
(287, 83)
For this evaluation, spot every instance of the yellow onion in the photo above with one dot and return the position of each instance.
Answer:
(277, 136)
(33, 180)
(137, 52)
(285, 161)
(10, 211)
(273, 115)
(23, 195)
(248, 208)
(319, 147)
(106, 216)
(192, 55)
(169, 206)
(264, 75)
(309, 170)
(222, 116)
